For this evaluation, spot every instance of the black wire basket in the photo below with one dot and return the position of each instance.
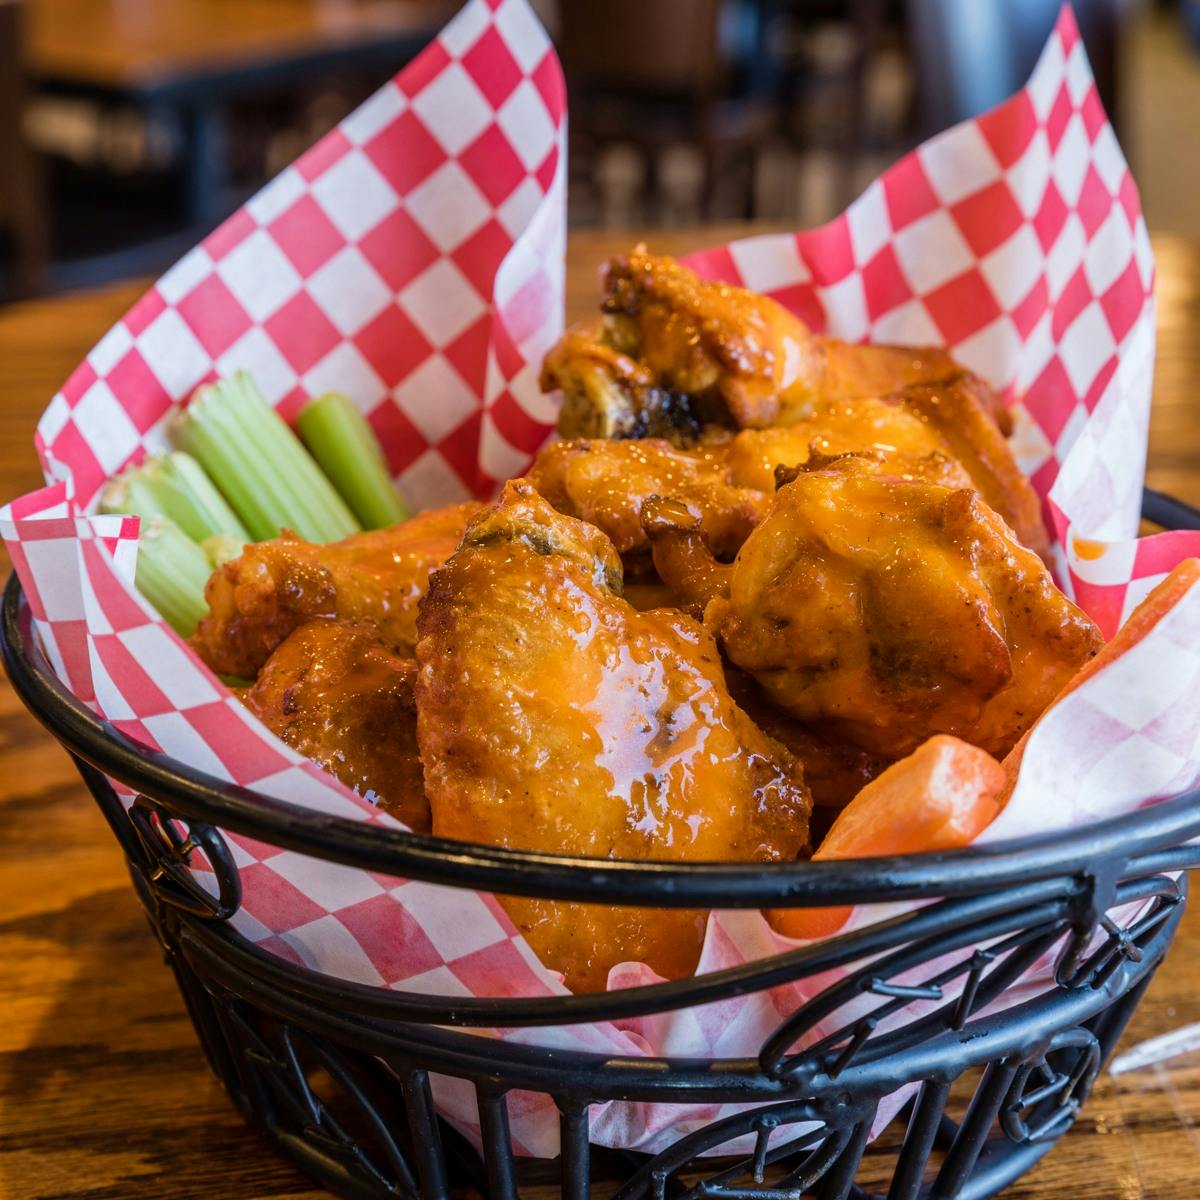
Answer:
(337, 1074)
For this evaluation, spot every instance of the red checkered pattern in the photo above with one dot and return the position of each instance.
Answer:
(413, 259)
(404, 260)
(1017, 241)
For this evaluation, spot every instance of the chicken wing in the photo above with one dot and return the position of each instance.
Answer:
(607, 483)
(942, 433)
(895, 609)
(676, 350)
(835, 771)
(607, 393)
(727, 485)
(337, 693)
(256, 600)
(554, 716)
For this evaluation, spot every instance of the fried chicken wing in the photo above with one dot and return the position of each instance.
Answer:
(895, 609)
(940, 432)
(256, 600)
(552, 715)
(726, 486)
(835, 770)
(681, 358)
(337, 693)
(607, 483)
(674, 350)
(607, 393)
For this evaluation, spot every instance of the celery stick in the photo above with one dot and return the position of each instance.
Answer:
(258, 463)
(130, 493)
(176, 487)
(193, 502)
(171, 573)
(346, 449)
(234, 468)
(221, 548)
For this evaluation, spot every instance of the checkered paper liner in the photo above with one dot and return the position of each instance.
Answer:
(413, 259)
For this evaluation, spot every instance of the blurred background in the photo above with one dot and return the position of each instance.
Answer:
(129, 128)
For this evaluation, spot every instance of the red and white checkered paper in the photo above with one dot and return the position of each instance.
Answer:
(413, 259)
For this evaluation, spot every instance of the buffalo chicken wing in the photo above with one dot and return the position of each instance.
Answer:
(338, 694)
(674, 351)
(552, 715)
(256, 600)
(894, 609)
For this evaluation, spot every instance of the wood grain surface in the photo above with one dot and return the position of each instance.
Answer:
(125, 44)
(103, 1091)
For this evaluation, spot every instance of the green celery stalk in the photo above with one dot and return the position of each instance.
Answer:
(347, 450)
(171, 573)
(258, 463)
(220, 548)
(174, 486)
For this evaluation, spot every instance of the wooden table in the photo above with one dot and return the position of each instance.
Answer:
(103, 1091)
(186, 60)
(145, 44)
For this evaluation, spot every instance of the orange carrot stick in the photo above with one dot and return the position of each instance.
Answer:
(1141, 621)
(941, 797)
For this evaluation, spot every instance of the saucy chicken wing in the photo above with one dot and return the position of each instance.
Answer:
(942, 433)
(676, 351)
(256, 600)
(607, 483)
(894, 609)
(835, 770)
(552, 715)
(727, 485)
(337, 693)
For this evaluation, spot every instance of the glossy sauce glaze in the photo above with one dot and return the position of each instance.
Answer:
(896, 609)
(552, 715)
(256, 600)
(337, 693)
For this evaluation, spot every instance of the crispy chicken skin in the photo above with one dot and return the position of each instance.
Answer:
(673, 349)
(256, 600)
(727, 485)
(337, 693)
(552, 715)
(894, 609)
(607, 484)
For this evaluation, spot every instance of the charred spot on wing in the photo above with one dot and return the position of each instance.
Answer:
(679, 418)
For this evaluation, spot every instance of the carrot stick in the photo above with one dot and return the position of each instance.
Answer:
(941, 797)
(1141, 621)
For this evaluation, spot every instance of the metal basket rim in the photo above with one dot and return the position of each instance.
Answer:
(195, 794)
